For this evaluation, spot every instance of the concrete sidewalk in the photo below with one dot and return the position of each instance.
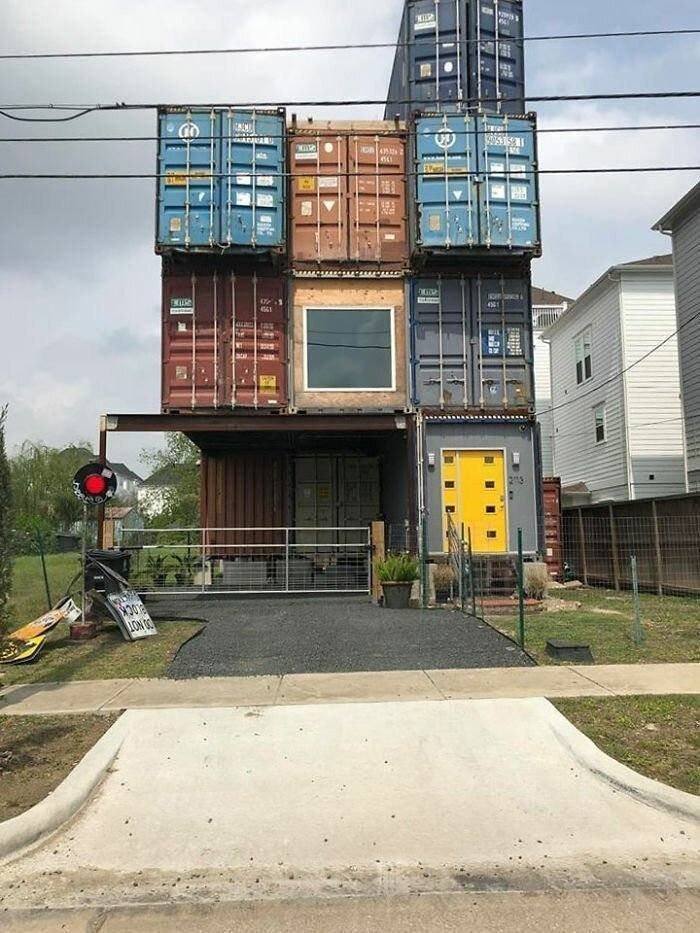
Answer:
(368, 687)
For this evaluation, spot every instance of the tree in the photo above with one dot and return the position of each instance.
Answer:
(178, 466)
(42, 487)
(5, 519)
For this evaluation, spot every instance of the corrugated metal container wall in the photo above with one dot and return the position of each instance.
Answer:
(224, 342)
(222, 180)
(349, 341)
(458, 54)
(476, 185)
(472, 342)
(244, 490)
(553, 527)
(349, 196)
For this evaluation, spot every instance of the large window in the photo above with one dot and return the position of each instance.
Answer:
(349, 349)
(601, 426)
(584, 363)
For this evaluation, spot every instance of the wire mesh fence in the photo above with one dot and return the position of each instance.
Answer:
(598, 551)
(250, 560)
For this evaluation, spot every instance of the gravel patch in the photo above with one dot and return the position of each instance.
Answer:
(245, 637)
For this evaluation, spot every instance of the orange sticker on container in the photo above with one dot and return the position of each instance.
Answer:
(267, 383)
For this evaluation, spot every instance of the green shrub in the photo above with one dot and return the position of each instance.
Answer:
(398, 568)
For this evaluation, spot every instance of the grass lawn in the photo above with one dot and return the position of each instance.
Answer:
(103, 658)
(604, 621)
(656, 736)
(37, 752)
(28, 600)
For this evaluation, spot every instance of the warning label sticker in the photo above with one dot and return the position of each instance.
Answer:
(267, 383)
(306, 183)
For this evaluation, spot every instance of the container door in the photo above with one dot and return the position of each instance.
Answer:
(257, 362)
(316, 502)
(473, 495)
(188, 184)
(377, 201)
(252, 190)
(193, 338)
(319, 186)
(502, 361)
(497, 60)
(447, 200)
(359, 498)
(437, 54)
(442, 342)
(509, 195)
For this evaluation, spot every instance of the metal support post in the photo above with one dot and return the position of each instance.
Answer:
(657, 549)
(286, 560)
(614, 547)
(521, 591)
(103, 460)
(638, 630)
(582, 542)
(84, 562)
(472, 582)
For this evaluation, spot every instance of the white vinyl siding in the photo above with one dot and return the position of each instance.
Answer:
(686, 253)
(578, 459)
(543, 402)
(654, 412)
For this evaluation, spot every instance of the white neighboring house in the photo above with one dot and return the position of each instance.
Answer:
(618, 426)
(683, 224)
(547, 307)
(153, 493)
(128, 482)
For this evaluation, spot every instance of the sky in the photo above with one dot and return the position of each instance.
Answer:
(80, 280)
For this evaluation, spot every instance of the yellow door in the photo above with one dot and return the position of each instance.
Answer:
(474, 495)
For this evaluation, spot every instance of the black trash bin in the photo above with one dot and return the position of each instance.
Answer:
(116, 560)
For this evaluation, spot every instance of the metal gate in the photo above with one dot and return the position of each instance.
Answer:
(251, 561)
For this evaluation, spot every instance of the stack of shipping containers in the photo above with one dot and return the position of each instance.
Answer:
(458, 81)
(367, 274)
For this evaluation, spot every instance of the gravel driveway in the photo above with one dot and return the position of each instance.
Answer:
(328, 635)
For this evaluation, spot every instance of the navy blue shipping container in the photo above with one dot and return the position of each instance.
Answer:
(471, 342)
(457, 55)
(222, 182)
(476, 185)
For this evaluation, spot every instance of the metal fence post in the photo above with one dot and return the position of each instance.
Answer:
(204, 560)
(521, 591)
(638, 630)
(472, 582)
(286, 560)
(657, 549)
(614, 548)
(582, 541)
(424, 563)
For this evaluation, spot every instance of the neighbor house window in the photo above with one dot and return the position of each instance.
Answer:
(584, 364)
(600, 423)
(349, 349)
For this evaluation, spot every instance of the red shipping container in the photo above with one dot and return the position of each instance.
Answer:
(224, 342)
(553, 528)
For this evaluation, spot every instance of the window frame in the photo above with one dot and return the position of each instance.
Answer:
(601, 406)
(392, 319)
(580, 339)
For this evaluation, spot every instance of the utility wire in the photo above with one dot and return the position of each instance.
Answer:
(271, 105)
(623, 372)
(339, 47)
(204, 179)
(308, 130)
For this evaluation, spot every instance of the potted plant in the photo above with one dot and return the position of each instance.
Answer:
(397, 573)
(157, 570)
(443, 581)
(186, 567)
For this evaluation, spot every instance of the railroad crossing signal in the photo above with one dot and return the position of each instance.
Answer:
(95, 484)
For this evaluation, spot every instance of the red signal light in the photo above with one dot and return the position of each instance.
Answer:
(95, 485)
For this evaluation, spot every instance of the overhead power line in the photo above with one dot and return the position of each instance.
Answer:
(622, 372)
(307, 129)
(340, 47)
(10, 110)
(125, 176)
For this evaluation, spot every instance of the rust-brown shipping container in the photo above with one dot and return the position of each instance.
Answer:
(349, 194)
(244, 490)
(349, 340)
(553, 527)
(224, 342)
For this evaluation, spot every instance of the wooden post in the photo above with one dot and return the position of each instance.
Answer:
(582, 543)
(657, 548)
(378, 553)
(103, 460)
(613, 544)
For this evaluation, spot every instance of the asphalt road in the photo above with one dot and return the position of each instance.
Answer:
(245, 637)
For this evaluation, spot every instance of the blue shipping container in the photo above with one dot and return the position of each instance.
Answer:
(476, 183)
(456, 55)
(222, 182)
(471, 342)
